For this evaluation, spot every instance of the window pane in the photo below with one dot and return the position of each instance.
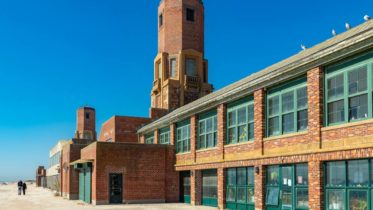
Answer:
(242, 133)
(191, 68)
(273, 126)
(358, 107)
(302, 174)
(231, 176)
(231, 118)
(358, 173)
(215, 120)
(251, 113)
(302, 98)
(250, 195)
(241, 176)
(335, 87)
(173, 67)
(202, 127)
(357, 80)
(302, 198)
(202, 141)
(336, 200)
(272, 196)
(241, 115)
(336, 173)
(302, 123)
(286, 198)
(210, 140)
(287, 177)
(209, 125)
(273, 105)
(336, 112)
(251, 130)
(288, 101)
(250, 176)
(288, 122)
(241, 194)
(358, 200)
(231, 194)
(272, 175)
(231, 135)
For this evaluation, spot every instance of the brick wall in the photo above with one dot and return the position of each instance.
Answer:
(148, 172)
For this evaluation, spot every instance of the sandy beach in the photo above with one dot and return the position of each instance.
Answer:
(43, 199)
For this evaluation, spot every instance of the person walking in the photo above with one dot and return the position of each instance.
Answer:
(24, 188)
(20, 185)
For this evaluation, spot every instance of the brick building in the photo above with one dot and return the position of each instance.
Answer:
(295, 135)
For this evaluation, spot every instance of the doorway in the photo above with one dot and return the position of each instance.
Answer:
(116, 188)
(185, 186)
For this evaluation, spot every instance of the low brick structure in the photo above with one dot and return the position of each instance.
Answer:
(40, 178)
(147, 171)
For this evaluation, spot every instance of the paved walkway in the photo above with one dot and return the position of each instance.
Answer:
(43, 199)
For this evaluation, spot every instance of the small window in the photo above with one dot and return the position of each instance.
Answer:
(190, 14)
(160, 20)
(87, 116)
(173, 67)
(191, 67)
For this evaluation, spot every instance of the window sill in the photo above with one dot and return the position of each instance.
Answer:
(183, 153)
(206, 149)
(286, 135)
(349, 124)
(239, 144)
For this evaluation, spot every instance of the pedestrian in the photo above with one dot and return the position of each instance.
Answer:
(24, 188)
(20, 185)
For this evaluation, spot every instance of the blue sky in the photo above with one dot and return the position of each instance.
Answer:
(58, 55)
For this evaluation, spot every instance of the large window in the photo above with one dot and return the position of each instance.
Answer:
(164, 136)
(348, 184)
(240, 121)
(173, 67)
(207, 130)
(183, 137)
(287, 108)
(191, 67)
(149, 139)
(240, 188)
(349, 91)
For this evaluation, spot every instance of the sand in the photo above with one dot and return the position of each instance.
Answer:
(37, 198)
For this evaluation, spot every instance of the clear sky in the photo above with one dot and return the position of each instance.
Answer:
(58, 55)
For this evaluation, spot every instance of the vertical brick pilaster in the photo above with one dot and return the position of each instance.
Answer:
(221, 118)
(259, 120)
(221, 188)
(156, 136)
(196, 187)
(315, 183)
(172, 134)
(193, 136)
(260, 188)
(142, 139)
(315, 104)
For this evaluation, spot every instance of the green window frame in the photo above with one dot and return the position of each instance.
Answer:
(287, 185)
(348, 90)
(287, 108)
(240, 121)
(149, 138)
(207, 130)
(240, 188)
(164, 136)
(348, 184)
(183, 136)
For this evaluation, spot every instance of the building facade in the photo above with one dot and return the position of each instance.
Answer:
(53, 172)
(296, 135)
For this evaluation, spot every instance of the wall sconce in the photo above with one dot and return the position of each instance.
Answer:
(256, 169)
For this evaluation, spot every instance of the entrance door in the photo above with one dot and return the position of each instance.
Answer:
(283, 182)
(85, 184)
(116, 188)
(185, 186)
(209, 188)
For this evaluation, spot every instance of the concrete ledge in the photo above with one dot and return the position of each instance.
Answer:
(106, 202)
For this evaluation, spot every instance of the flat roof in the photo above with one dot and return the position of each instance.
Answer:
(355, 40)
